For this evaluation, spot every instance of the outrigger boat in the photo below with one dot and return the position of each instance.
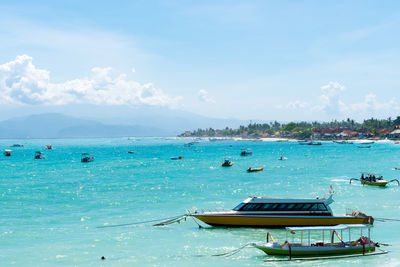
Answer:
(306, 248)
(246, 152)
(255, 169)
(227, 163)
(270, 212)
(368, 178)
(86, 157)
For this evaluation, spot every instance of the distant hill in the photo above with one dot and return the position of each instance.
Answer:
(54, 125)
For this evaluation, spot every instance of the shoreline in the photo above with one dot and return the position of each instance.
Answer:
(278, 139)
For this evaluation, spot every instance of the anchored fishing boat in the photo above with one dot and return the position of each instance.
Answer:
(255, 169)
(246, 152)
(39, 155)
(227, 163)
(368, 178)
(281, 212)
(86, 157)
(311, 247)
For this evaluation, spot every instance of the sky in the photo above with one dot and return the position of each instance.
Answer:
(250, 60)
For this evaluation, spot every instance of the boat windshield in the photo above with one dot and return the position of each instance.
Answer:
(281, 207)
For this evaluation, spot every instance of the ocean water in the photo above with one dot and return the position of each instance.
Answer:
(50, 209)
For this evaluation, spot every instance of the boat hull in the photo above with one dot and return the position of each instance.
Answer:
(276, 221)
(335, 249)
(382, 183)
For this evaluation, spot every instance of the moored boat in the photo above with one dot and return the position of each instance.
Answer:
(176, 158)
(7, 152)
(303, 241)
(39, 155)
(255, 169)
(49, 147)
(246, 152)
(86, 157)
(227, 163)
(281, 212)
(368, 178)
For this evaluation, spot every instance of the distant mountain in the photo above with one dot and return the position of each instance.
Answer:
(103, 121)
(54, 125)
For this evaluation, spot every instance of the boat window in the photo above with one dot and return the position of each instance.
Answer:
(298, 206)
(306, 207)
(290, 206)
(252, 206)
(281, 207)
(313, 207)
(239, 206)
(266, 206)
(321, 207)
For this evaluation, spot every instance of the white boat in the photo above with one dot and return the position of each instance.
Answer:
(310, 241)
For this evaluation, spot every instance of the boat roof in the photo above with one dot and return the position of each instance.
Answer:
(336, 227)
(256, 199)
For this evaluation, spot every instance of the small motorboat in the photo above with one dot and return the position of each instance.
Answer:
(49, 147)
(86, 157)
(246, 152)
(255, 169)
(368, 146)
(189, 144)
(7, 153)
(17, 145)
(282, 158)
(39, 155)
(368, 178)
(131, 152)
(227, 163)
(312, 143)
(308, 242)
(344, 142)
(176, 158)
(367, 142)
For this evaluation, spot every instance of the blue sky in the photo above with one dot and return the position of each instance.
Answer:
(260, 60)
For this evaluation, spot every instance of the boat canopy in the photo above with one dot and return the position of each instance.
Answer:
(369, 173)
(336, 227)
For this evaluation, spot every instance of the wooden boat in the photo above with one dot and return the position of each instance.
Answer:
(368, 178)
(303, 243)
(39, 155)
(86, 157)
(246, 152)
(255, 169)
(344, 142)
(227, 163)
(176, 158)
(270, 212)
(7, 152)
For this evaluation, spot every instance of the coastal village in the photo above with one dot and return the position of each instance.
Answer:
(336, 130)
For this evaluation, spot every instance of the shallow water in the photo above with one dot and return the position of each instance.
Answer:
(50, 208)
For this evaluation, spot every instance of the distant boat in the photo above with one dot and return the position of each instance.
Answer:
(17, 145)
(189, 144)
(39, 155)
(255, 169)
(397, 142)
(314, 143)
(7, 152)
(176, 158)
(49, 147)
(367, 142)
(227, 163)
(282, 158)
(344, 142)
(364, 146)
(131, 152)
(246, 152)
(86, 157)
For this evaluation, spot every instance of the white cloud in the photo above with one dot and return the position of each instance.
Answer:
(297, 104)
(204, 96)
(22, 83)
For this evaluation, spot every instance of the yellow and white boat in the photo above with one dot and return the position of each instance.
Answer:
(268, 212)
(368, 178)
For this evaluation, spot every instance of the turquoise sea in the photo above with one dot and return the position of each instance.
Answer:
(50, 209)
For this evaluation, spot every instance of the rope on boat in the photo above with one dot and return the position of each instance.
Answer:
(232, 252)
(177, 219)
(386, 219)
(144, 222)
